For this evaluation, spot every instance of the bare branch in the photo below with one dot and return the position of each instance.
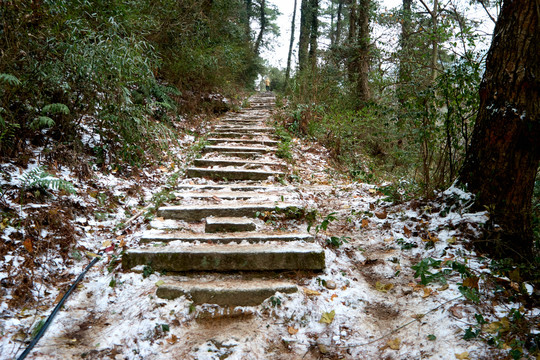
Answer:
(487, 12)
(427, 8)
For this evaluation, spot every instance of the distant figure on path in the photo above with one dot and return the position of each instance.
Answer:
(267, 81)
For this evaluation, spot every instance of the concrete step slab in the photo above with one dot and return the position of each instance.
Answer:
(228, 224)
(231, 174)
(199, 212)
(223, 238)
(243, 149)
(268, 142)
(227, 257)
(247, 135)
(236, 187)
(231, 195)
(225, 293)
(243, 129)
(229, 162)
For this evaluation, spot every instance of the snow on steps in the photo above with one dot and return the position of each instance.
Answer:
(229, 250)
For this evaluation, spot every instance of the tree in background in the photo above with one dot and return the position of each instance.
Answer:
(503, 160)
(291, 45)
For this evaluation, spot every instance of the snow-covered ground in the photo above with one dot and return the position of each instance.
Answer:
(366, 304)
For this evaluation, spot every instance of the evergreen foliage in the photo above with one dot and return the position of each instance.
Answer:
(131, 65)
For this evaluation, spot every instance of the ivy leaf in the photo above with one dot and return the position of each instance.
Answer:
(327, 317)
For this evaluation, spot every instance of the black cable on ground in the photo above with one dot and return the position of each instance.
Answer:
(56, 309)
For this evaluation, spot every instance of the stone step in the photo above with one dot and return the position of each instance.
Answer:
(199, 212)
(244, 155)
(241, 187)
(227, 257)
(242, 149)
(223, 238)
(243, 141)
(231, 174)
(243, 129)
(247, 135)
(228, 224)
(230, 162)
(230, 195)
(225, 293)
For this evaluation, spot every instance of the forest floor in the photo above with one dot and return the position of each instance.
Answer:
(401, 281)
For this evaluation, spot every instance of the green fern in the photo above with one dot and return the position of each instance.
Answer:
(9, 79)
(55, 109)
(39, 178)
(42, 122)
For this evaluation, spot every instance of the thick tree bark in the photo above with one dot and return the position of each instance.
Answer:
(247, 19)
(359, 59)
(314, 33)
(339, 23)
(504, 156)
(257, 47)
(291, 44)
(305, 27)
(362, 84)
(404, 72)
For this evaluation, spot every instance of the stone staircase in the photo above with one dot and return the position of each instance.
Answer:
(210, 244)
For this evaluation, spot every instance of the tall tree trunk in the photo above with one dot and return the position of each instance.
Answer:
(339, 23)
(247, 19)
(351, 41)
(303, 41)
(262, 20)
(362, 84)
(291, 43)
(404, 72)
(505, 150)
(314, 33)
(434, 40)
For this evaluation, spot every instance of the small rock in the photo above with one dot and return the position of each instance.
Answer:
(330, 285)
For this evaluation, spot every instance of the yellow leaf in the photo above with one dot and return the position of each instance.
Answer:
(327, 317)
(333, 297)
(394, 344)
(91, 254)
(310, 292)
(159, 283)
(462, 356)
(106, 243)
(383, 287)
(292, 330)
(372, 191)
(442, 288)
(427, 292)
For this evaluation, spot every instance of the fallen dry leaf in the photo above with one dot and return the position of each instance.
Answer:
(365, 223)
(457, 311)
(427, 292)
(327, 317)
(381, 215)
(383, 287)
(310, 292)
(292, 330)
(407, 231)
(471, 281)
(394, 344)
(172, 340)
(462, 356)
(28, 245)
(333, 297)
